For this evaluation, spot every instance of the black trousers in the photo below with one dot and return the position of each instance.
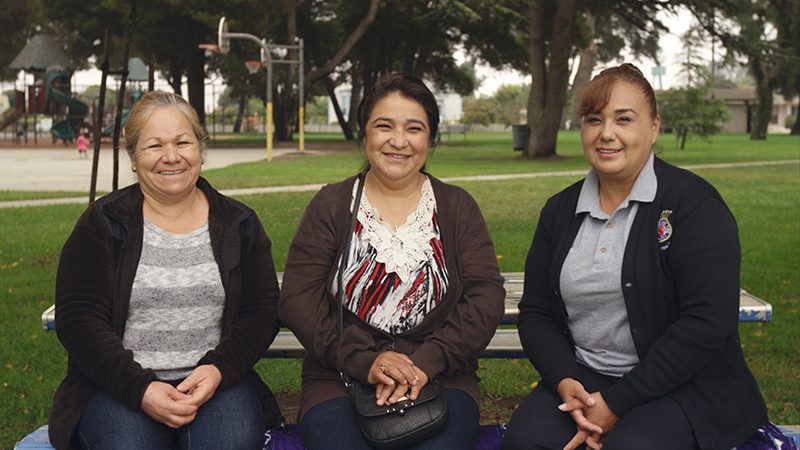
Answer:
(656, 425)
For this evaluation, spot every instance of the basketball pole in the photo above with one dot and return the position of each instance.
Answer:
(223, 44)
(267, 58)
(301, 108)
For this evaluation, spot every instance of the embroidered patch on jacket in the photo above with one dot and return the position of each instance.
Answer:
(664, 229)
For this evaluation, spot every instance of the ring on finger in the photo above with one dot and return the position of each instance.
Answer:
(382, 366)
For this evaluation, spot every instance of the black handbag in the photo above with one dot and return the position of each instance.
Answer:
(402, 424)
(406, 422)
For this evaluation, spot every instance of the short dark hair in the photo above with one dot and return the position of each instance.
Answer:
(597, 93)
(406, 85)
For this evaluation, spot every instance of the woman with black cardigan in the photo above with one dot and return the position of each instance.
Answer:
(630, 306)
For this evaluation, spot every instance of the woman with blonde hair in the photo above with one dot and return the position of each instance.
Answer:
(166, 296)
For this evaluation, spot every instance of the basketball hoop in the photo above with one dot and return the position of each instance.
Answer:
(252, 65)
(209, 48)
(223, 42)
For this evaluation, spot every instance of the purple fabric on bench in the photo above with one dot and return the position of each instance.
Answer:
(290, 438)
(768, 437)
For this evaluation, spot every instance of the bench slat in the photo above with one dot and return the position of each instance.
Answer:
(751, 308)
(504, 344)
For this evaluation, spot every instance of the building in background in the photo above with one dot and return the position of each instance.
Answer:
(741, 103)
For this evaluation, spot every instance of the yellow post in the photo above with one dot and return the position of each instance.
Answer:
(269, 131)
(302, 130)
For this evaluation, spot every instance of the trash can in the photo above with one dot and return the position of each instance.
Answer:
(520, 135)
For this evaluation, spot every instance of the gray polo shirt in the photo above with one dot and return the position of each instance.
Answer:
(591, 278)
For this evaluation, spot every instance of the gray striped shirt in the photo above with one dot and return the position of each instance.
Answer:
(175, 313)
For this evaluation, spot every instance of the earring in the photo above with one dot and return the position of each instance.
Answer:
(133, 169)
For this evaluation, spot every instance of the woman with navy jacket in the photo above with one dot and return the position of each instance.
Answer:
(630, 306)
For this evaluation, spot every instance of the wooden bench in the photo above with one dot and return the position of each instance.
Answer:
(504, 344)
(462, 128)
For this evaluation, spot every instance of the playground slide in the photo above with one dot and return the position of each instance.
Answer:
(9, 116)
(135, 97)
(107, 131)
(66, 129)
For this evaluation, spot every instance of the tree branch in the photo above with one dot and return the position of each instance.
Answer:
(317, 73)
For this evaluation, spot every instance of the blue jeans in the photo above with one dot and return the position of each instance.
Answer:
(334, 425)
(231, 419)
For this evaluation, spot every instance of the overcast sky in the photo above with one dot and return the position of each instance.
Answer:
(669, 42)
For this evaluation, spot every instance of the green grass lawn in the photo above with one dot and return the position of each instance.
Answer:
(765, 201)
(485, 153)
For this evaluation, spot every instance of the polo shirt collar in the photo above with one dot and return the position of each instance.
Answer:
(644, 190)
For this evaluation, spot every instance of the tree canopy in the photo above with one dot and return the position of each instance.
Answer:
(356, 41)
(541, 37)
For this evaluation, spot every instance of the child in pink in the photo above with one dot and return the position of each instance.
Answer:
(82, 143)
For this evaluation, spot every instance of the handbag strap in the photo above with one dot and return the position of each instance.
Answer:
(343, 265)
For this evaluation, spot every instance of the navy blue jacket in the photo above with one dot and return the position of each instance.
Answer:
(682, 300)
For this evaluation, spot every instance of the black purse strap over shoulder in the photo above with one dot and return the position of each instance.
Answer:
(343, 266)
(405, 423)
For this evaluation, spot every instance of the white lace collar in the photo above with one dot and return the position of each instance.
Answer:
(404, 249)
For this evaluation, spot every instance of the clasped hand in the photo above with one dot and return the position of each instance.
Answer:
(395, 376)
(590, 412)
(177, 406)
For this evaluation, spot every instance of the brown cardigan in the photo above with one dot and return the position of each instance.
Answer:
(445, 345)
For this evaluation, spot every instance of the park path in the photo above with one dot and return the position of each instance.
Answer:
(316, 187)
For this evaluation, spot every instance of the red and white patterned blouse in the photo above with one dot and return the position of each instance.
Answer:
(395, 277)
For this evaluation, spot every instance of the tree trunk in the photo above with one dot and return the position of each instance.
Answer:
(288, 96)
(355, 100)
(796, 126)
(683, 133)
(279, 117)
(196, 77)
(121, 95)
(764, 107)
(318, 73)
(175, 84)
(175, 76)
(348, 132)
(548, 81)
(237, 127)
(584, 73)
(151, 73)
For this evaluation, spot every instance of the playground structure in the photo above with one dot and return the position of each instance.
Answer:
(58, 98)
(50, 95)
(137, 73)
(108, 130)
(9, 117)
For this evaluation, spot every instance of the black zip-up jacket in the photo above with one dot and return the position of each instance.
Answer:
(93, 287)
(682, 300)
